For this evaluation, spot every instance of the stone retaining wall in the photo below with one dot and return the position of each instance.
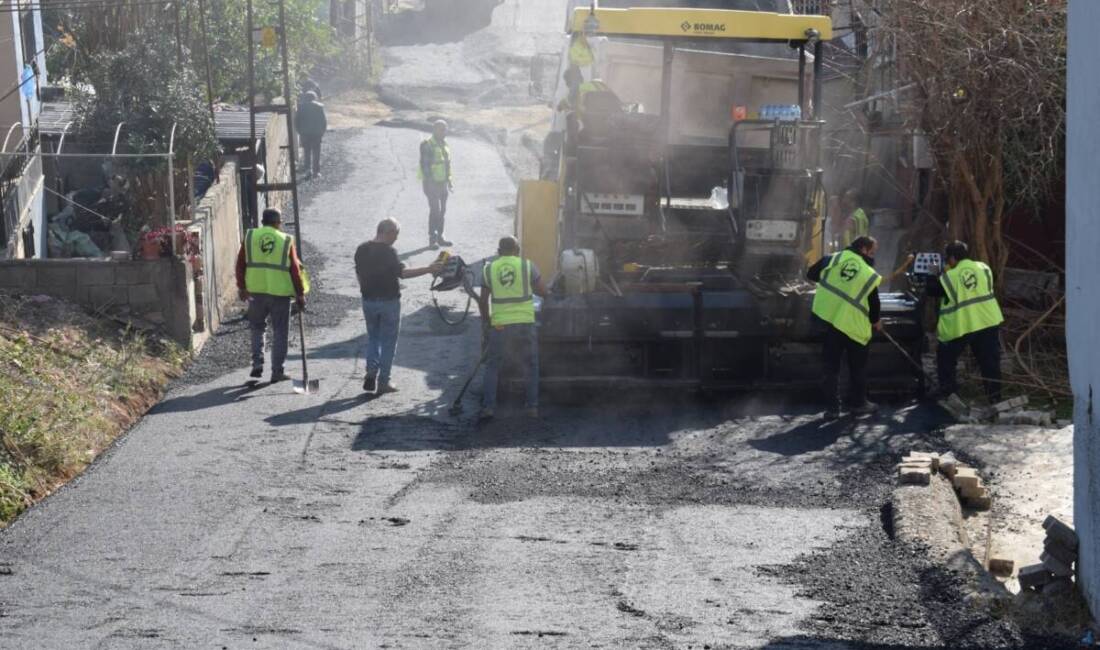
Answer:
(158, 291)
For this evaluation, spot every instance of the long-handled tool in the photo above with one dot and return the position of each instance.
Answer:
(456, 406)
(905, 353)
(304, 386)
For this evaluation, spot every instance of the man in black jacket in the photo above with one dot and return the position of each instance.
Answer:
(311, 124)
(847, 306)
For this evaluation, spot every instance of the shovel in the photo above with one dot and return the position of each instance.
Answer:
(456, 406)
(305, 385)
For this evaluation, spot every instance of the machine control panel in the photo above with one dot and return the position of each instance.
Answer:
(927, 264)
(598, 203)
(773, 231)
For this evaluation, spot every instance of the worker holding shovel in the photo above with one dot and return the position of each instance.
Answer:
(269, 274)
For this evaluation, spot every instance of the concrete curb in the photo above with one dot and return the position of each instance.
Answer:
(930, 517)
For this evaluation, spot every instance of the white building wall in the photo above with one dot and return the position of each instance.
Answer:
(1083, 284)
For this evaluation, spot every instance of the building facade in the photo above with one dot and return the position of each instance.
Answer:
(22, 75)
(1082, 289)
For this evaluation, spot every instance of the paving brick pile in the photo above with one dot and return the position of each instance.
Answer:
(918, 467)
(1055, 572)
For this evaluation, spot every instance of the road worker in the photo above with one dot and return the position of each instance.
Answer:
(855, 222)
(269, 275)
(847, 305)
(969, 316)
(438, 182)
(506, 302)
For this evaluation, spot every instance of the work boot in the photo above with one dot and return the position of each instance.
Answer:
(279, 376)
(257, 372)
(433, 244)
(370, 382)
(443, 242)
(866, 408)
(386, 387)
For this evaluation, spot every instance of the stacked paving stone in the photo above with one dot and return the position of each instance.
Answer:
(1010, 411)
(1055, 572)
(917, 469)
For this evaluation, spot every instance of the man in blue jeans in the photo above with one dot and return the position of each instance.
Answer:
(380, 271)
(509, 285)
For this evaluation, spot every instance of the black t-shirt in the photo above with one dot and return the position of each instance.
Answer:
(379, 271)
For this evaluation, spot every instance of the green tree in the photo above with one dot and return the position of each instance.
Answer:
(95, 31)
(143, 87)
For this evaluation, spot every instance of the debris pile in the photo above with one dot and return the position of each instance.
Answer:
(1054, 574)
(1010, 411)
(917, 469)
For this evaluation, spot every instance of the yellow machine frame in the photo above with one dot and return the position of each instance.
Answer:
(700, 23)
(537, 205)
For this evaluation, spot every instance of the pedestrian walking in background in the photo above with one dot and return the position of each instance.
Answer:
(507, 304)
(847, 305)
(435, 173)
(379, 271)
(309, 85)
(311, 124)
(969, 316)
(269, 274)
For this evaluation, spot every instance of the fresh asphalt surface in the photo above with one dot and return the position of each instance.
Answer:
(236, 517)
(253, 517)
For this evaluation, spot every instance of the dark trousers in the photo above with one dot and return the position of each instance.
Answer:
(837, 345)
(311, 156)
(437, 207)
(986, 346)
(518, 342)
(261, 307)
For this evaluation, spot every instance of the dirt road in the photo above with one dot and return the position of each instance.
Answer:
(256, 518)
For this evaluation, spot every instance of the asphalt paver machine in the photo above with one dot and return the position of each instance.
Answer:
(681, 201)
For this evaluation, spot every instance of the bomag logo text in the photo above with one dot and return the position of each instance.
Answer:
(703, 28)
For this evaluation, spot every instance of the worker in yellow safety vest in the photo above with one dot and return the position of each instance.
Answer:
(969, 316)
(438, 182)
(855, 224)
(846, 304)
(507, 304)
(269, 274)
(580, 52)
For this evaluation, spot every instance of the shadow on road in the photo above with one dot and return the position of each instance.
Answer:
(213, 398)
(814, 435)
(318, 411)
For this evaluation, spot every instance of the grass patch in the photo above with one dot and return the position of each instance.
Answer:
(70, 383)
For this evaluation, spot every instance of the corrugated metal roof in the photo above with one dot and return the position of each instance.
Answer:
(55, 117)
(230, 124)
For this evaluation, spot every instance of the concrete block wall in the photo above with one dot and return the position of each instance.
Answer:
(158, 291)
(218, 216)
(277, 162)
(1082, 288)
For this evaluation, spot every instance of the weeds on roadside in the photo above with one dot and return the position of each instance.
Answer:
(69, 384)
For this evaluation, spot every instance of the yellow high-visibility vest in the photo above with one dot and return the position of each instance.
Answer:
(860, 228)
(267, 262)
(973, 304)
(441, 161)
(842, 295)
(509, 280)
(580, 53)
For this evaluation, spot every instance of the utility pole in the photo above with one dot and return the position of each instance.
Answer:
(251, 177)
(274, 36)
